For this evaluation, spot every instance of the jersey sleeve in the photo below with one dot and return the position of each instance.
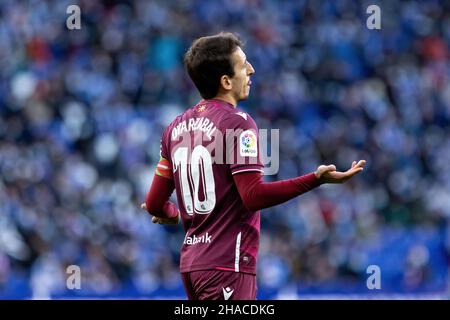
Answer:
(242, 144)
(257, 194)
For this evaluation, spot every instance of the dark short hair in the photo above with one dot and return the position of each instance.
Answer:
(208, 59)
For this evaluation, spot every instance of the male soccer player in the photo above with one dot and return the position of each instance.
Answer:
(218, 176)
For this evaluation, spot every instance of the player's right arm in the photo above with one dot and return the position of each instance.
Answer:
(157, 200)
(257, 194)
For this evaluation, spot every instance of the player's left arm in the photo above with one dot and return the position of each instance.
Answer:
(257, 194)
(157, 200)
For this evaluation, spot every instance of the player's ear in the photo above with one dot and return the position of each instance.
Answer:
(225, 81)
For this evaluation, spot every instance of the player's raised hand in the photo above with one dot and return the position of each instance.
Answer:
(328, 174)
(158, 220)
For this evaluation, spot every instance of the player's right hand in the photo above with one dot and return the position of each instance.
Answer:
(328, 174)
(175, 220)
(158, 220)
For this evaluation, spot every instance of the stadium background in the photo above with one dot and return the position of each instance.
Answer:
(82, 112)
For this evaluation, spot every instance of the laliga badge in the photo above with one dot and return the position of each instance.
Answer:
(248, 146)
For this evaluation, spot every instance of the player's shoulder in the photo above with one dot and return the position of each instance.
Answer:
(180, 118)
(173, 123)
(168, 129)
(238, 118)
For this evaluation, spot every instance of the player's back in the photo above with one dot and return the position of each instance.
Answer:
(206, 145)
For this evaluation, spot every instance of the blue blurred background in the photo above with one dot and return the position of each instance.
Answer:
(82, 112)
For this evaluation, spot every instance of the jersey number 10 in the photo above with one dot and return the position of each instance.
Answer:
(200, 167)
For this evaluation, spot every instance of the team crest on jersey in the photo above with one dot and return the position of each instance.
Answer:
(201, 108)
(248, 145)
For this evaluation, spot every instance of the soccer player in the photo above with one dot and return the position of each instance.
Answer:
(218, 176)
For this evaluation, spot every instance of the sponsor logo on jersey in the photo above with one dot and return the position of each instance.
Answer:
(205, 238)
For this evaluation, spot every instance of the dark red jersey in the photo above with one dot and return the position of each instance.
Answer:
(205, 146)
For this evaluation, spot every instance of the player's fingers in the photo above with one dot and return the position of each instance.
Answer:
(355, 170)
(144, 206)
(155, 219)
(360, 163)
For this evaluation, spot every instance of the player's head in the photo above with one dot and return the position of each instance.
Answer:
(217, 65)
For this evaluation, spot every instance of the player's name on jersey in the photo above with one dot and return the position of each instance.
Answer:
(202, 124)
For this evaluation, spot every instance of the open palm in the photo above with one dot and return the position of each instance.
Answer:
(328, 174)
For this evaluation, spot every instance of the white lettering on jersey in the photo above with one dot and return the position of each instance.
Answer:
(202, 124)
(205, 238)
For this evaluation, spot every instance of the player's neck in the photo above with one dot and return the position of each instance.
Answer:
(226, 98)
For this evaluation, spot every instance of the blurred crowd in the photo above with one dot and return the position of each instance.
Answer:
(82, 111)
